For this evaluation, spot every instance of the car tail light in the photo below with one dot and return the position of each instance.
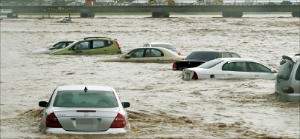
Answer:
(288, 90)
(118, 44)
(195, 76)
(52, 121)
(119, 122)
(174, 66)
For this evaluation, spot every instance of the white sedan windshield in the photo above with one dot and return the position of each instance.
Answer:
(210, 64)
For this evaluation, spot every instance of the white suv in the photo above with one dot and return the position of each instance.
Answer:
(288, 79)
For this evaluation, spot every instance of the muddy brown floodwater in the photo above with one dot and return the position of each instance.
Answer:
(162, 104)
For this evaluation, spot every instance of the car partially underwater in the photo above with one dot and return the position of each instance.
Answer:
(87, 46)
(84, 109)
(56, 46)
(287, 86)
(230, 68)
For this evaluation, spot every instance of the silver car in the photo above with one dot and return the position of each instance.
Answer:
(287, 87)
(84, 109)
(163, 45)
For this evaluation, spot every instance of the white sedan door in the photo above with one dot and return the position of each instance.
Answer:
(260, 71)
(236, 70)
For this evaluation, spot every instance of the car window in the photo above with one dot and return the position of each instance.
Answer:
(59, 45)
(235, 55)
(156, 53)
(285, 69)
(235, 66)
(80, 99)
(98, 44)
(298, 74)
(81, 45)
(153, 53)
(256, 67)
(210, 64)
(137, 53)
(226, 55)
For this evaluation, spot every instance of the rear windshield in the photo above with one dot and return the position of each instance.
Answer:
(210, 64)
(285, 69)
(203, 56)
(90, 99)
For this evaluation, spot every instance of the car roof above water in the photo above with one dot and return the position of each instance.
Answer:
(238, 59)
(292, 57)
(82, 87)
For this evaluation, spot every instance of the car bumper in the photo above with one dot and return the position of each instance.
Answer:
(295, 97)
(109, 131)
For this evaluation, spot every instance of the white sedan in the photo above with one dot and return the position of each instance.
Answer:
(239, 68)
(84, 109)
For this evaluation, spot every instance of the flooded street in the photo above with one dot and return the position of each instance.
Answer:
(162, 104)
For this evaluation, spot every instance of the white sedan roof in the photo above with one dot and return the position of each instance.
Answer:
(239, 59)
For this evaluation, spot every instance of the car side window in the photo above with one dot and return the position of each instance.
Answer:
(137, 53)
(59, 45)
(235, 55)
(101, 43)
(228, 66)
(81, 45)
(153, 53)
(256, 67)
(235, 66)
(98, 44)
(157, 53)
(226, 55)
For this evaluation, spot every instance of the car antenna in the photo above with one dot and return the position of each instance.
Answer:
(85, 89)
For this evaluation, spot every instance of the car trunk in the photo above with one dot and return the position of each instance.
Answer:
(180, 65)
(87, 120)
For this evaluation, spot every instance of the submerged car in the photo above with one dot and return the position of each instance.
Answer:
(59, 45)
(84, 109)
(91, 46)
(163, 45)
(197, 58)
(287, 86)
(230, 68)
(148, 55)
